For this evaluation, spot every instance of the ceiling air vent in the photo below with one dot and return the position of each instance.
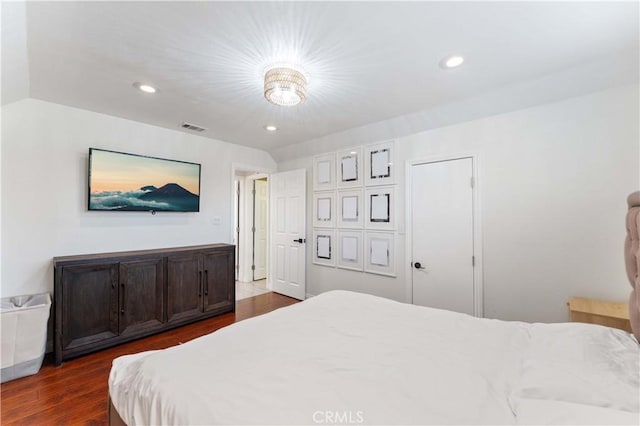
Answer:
(193, 127)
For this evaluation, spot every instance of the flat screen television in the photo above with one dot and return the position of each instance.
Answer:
(128, 182)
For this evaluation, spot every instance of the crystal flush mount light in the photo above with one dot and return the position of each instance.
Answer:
(285, 86)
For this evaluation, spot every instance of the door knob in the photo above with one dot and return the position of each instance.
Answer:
(300, 240)
(418, 265)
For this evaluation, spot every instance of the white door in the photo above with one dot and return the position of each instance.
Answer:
(287, 198)
(259, 229)
(442, 235)
(236, 223)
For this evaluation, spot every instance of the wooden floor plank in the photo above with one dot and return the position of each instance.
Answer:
(77, 391)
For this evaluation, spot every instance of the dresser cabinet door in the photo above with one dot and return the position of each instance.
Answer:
(184, 287)
(219, 283)
(141, 295)
(89, 304)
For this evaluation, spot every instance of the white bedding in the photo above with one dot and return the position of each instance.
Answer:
(345, 357)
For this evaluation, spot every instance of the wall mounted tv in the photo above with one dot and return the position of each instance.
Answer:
(127, 182)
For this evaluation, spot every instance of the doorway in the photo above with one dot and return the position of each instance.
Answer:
(280, 198)
(250, 232)
(260, 229)
(443, 241)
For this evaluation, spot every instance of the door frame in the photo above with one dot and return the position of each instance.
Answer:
(478, 274)
(252, 234)
(245, 253)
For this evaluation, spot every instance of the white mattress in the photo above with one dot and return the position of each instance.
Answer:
(345, 357)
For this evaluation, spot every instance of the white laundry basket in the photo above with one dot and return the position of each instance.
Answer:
(23, 322)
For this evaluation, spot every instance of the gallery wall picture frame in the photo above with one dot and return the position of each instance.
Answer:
(324, 209)
(350, 205)
(379, 208)
(380, 253)
(380, 163)
(324, 172)
(324, 247)
(350, 254)
(349, 168)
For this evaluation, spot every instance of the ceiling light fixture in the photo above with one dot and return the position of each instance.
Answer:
(270, 128)
(145, 87)
(285, 86)
(451, 62)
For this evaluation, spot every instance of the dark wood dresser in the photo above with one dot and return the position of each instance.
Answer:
(102, 300)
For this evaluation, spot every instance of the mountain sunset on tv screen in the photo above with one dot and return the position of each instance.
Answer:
(128, 182)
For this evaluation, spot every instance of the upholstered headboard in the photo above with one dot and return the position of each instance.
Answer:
(632, 259)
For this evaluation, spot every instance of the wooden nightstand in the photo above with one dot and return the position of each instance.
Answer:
(611, 314)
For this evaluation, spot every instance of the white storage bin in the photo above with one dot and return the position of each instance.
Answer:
(23, 322)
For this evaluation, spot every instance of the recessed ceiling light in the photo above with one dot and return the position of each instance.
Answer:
(451, 61)
(270, 128)
(145, 87)
(353, 153)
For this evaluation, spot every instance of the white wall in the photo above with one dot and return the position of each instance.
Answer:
(13, 55)
(44, 190)
(553, 180)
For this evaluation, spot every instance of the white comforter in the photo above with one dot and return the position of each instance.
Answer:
(351, 358)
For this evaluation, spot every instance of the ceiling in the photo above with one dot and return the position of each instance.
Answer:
(368, 61)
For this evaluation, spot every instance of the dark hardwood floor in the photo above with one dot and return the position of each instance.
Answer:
(77, 391)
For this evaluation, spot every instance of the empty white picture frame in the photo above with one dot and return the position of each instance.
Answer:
(350, 206)
(324, 247)
(350, 255)
(380, 253)
(324, 172)
(380, 207)
(324, 209)
(349, 167)
(380, 168)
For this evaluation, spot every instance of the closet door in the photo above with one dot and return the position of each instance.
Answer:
(442, 235)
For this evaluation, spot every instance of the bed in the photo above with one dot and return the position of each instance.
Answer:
(350, 358)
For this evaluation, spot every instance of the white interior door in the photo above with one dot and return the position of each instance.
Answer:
(259, 229)
(287, 195)
(442, 235)
(236, 223)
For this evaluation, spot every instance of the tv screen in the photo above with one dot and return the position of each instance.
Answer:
(127, 182)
